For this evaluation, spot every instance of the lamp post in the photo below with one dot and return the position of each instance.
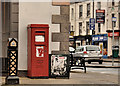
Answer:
(113, 20)
(93, 14)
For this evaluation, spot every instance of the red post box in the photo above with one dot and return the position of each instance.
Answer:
(38, 50)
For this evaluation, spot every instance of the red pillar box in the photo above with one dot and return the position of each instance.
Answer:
(38, 50)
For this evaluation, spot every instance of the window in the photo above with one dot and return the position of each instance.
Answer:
(88, 9)
(79, 49)
(99, 27)
(80, 10)
(99, 5)
(80, 28)
(72, 13)
(72, 28)
(113, 2)
(87, 28)
(92, 48)
(113, 23)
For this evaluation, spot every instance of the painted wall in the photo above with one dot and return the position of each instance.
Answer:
(35, 13)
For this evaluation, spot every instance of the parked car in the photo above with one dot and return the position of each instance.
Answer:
(91, 53)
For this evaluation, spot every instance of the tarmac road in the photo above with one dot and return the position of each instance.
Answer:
(103, 64)
(101, 68)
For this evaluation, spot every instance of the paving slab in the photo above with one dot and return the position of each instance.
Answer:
(76, 77)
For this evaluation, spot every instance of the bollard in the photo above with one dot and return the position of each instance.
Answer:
(12, 77)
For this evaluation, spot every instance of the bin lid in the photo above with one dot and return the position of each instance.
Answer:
(115, 48)
(38, 25)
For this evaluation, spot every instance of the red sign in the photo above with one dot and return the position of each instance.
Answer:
(115, 34)
(40, 51)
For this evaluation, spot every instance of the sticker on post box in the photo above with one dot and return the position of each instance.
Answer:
(39, 38)
(40, 51)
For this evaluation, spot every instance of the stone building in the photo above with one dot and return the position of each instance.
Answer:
(80, 14)
(113, 11)
(16, 16)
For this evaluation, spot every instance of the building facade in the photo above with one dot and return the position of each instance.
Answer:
(113, 11)
(80, 14)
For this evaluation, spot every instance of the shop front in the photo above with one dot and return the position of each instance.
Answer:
(101, 40)
(116, 41)
(82, 40)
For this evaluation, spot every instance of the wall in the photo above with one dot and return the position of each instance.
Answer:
(35, 13)
(0, 30)
(0, 42)
(110, 12)
(84, 19)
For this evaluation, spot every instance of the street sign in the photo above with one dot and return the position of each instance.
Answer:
(92, 24)
(114, 19)
(100, 16)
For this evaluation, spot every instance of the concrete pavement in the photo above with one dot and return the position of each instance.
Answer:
(76, 77)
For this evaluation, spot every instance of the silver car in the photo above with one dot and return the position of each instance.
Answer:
(91, 53)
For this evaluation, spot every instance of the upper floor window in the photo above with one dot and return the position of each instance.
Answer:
(72, 28)
(88, 9)
(113, 2)
(80, 11)
(72, 13)
(99, 5)
(87, 28)
(80, 28)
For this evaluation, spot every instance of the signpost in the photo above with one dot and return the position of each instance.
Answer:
(114, 19)
(92, 24)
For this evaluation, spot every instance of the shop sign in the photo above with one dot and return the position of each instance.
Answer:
(100, 16)
(115, 34)
(99, 38)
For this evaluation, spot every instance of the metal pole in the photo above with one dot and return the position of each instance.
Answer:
(113, 42)
(93, 14)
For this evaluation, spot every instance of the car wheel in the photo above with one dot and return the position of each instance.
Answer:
(100, 62)
(89, 62)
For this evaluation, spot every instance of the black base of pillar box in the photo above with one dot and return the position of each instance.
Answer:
(12, 80)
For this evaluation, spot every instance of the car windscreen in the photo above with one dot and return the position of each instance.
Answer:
(92, 48)
(79, 49)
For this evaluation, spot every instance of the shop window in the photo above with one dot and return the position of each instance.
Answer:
(78, 44)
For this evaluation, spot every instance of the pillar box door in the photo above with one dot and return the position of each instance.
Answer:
(38, 50)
